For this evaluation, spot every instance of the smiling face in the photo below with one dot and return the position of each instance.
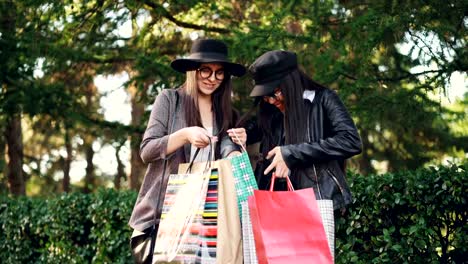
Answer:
(276, 99)
(209, 77)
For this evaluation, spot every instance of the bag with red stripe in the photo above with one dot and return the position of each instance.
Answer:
(200, 221)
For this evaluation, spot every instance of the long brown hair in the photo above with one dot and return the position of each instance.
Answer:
(225, 115)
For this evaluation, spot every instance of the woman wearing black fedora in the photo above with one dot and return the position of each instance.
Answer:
(183, 120)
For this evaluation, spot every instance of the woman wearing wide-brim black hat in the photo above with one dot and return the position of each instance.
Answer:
(208, 51)
(183, 120)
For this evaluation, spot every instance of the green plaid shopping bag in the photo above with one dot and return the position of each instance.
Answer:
(244, 178)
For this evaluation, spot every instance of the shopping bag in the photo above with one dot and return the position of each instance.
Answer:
(180, 234)
(177, 240)
(328, 220)
(287, 227)
(248, 241)
(244, 178)
(208, 232)
(229, 233)
(229, 224)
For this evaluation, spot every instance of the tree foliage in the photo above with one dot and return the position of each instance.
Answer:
(390, 61)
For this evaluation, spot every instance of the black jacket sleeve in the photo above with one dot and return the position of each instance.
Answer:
(254, 133)
(341, 140)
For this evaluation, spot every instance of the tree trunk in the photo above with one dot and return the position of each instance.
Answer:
(90, 181)
(9, 64)
(68, 161)
(89, 178)
(120, 169)
(138, 168)
(13, 136)
(365, 166)
(3, 172)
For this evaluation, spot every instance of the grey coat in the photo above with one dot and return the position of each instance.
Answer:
(153, 152)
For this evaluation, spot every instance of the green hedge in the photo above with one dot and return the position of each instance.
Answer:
(73, 228)
(408, 217)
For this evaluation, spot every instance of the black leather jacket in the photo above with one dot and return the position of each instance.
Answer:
(319, 162)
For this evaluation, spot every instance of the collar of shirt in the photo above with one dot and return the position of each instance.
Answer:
(309, 95)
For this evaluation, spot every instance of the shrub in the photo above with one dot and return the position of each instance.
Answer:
(407, 217)
(72, 228)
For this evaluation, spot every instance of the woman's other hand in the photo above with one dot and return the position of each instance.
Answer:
(199, 137)
(281, 169)
(238, 135)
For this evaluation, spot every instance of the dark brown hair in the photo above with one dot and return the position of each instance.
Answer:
(294, 117)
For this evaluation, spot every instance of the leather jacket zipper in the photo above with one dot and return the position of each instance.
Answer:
(335, 180)
(318, 184)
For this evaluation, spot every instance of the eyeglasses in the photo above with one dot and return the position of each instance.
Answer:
(206, 72)
(275, 95)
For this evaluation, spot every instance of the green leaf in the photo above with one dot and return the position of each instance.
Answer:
(421, 244)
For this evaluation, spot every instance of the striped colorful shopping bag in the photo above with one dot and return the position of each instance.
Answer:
(209, 223)
(220, 225)
(178, 234)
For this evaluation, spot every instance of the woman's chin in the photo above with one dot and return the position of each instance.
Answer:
(208, 90)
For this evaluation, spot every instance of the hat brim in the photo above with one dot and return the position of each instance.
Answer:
(265, 88)
(184, 65)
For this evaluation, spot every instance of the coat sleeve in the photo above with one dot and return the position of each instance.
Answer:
(342, 141)
(155, 138)
(227, 146)
(254, 133)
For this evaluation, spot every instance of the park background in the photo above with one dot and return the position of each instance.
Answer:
(78, 79)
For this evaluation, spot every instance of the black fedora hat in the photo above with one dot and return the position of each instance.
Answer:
(269, 70)
(207, 51)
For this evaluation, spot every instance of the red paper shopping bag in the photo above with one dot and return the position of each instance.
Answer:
(287, 227)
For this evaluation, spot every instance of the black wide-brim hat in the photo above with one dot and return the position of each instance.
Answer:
(270, 69)
(208, 51)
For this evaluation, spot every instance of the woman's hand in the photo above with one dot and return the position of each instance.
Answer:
(199, 137)
(238, 136)
(281, 169)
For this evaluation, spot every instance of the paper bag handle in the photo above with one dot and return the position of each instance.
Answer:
(208, 162)
(242, 145)
(288, 181)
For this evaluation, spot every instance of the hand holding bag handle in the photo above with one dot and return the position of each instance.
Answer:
(242, 145)
(288, 182)
(208, 162)
(142, 246)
